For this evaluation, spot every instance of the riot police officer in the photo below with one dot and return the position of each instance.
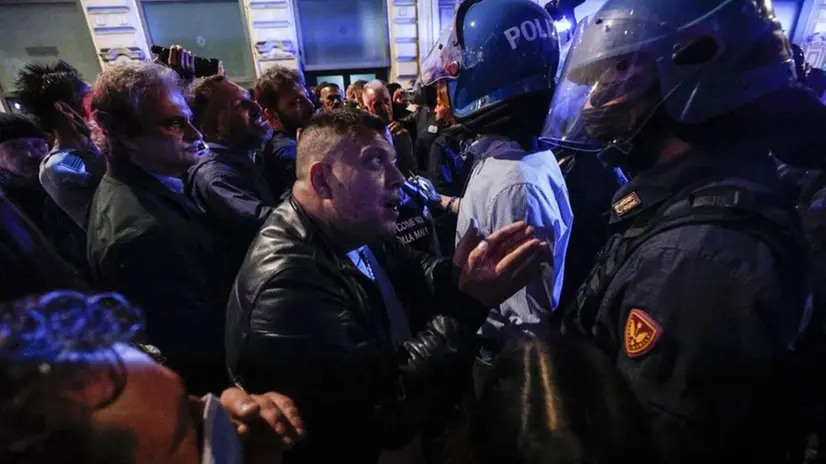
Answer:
(701, 294)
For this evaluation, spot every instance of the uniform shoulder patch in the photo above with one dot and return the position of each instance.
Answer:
(641, 333)
(626, 204)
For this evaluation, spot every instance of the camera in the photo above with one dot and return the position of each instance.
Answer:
(204, 67)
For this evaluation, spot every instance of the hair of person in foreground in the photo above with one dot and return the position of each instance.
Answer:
(561, 402)
(55, 349)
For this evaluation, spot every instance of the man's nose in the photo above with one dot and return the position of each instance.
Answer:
(395, 178)
(192, 134)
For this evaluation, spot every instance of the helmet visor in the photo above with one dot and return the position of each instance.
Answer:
(447, 58)
(597, 101)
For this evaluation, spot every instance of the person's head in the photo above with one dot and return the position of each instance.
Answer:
(499, 61)
(330, 96)
(495, 51)
(354, 93)
(444, 112)
(281, 93)
(377, 101)
(347, 176)
(22, 146)
(77, 391)
(54, 93)
(652, 80)
(224, 113)
(142, 110)
(427, 96)
(561, 402)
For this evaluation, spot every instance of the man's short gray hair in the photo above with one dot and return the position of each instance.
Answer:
(375, 85)
(120, 91)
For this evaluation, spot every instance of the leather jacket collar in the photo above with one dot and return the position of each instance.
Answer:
(316, 234)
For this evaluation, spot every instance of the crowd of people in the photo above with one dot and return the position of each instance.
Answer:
(612, 259)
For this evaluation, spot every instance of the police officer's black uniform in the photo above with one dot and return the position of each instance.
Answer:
(701, 297)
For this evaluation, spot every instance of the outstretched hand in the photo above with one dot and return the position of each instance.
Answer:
(493, 268)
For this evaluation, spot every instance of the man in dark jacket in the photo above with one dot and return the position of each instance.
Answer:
(281, 93)
(227, 184)
(361, 336)
(145, 238)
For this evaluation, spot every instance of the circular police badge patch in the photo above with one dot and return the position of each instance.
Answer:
(641, 333)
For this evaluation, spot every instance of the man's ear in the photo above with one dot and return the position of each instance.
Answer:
(320, 177)
(107, 123)
(273, 118)
(65, 110)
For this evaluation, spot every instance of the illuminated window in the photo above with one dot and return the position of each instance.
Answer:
(343, 34)
(362, 77)
(43, 33)
(337, 80)
(209, 29)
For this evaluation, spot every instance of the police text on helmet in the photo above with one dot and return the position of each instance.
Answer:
(529, 30)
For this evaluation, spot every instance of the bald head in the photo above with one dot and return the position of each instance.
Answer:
(375, 89)
(377, 100)
(327, 130)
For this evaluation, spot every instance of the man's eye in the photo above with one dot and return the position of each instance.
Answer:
(176, 124)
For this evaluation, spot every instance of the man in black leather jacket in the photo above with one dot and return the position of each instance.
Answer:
(363, 338)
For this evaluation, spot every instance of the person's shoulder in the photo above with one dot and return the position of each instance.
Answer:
(210, 167)
(740, 254)
(538, 170)
(542, 165)
(281, 144)
(64, 165)
(116, 205)
(283, 243)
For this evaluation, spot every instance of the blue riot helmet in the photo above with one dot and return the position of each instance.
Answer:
(494, 51)
(688, 60)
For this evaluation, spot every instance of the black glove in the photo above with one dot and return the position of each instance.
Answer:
(421, 187)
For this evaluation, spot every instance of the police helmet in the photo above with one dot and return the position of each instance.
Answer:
(494, 51)
(697, 59)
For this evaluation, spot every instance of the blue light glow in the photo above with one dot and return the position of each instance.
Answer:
(563, 25)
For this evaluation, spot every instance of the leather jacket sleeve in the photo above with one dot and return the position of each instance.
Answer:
(309, 338)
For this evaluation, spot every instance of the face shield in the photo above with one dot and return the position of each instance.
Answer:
(448, 57)
(444, 60)
(635, 60)
(600, 99)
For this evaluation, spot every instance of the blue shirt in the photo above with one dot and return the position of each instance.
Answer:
(68, 177)
(507, 185)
